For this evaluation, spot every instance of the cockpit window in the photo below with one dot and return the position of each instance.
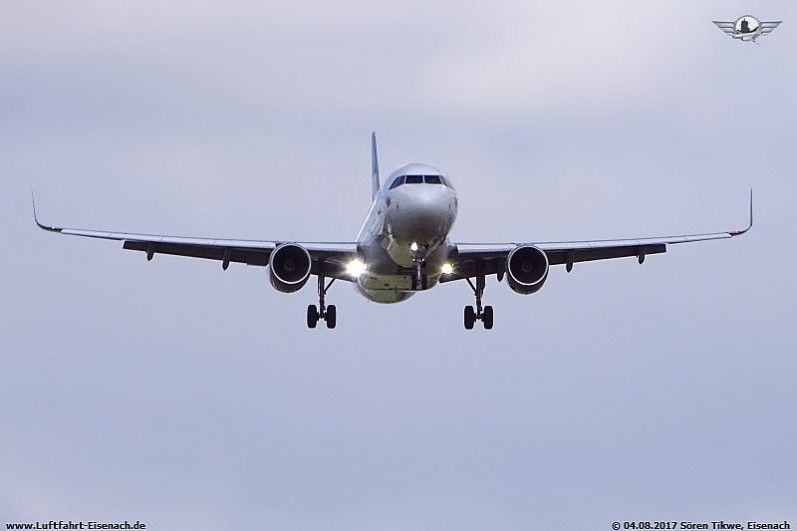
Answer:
(419, 179)
(398, 181)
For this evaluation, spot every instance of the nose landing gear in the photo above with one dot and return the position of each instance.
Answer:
(419, 276)
(322, 311)
(485, 315)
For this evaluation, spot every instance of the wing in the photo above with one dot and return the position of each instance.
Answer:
(727, 27)
(334, 255)
(489, 258)
(767, 27)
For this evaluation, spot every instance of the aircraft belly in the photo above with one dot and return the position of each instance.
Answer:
(390, 282)
(383, 290)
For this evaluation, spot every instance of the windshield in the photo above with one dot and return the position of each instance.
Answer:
(418, 179)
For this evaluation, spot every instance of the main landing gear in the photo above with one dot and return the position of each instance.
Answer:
(327, 313)
(485, 315)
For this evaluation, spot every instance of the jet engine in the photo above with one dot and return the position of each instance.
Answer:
(526, 269)
(289, 267)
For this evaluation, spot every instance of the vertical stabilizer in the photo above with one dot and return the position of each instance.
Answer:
(374, 167)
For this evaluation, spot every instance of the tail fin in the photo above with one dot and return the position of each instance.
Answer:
(374, 167)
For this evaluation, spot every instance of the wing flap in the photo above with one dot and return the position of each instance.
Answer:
(253, 257)
(603, 253)
(490, 262)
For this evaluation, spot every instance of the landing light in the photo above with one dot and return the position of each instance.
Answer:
(356, 267)
(413, 247)
(447, 269)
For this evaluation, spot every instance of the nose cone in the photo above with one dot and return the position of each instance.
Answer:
(421, 214)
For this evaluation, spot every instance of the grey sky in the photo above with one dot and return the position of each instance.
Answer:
(191, 398)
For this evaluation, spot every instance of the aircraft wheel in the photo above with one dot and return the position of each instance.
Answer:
(332, 316)
(470, 317)
(487, 318)
(424, 281)
(312, 316)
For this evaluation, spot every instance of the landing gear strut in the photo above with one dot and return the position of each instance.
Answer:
(419, 277)
(322, 311)
(485, 315)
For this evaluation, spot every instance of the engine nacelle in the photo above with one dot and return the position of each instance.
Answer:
(526, 269)
(289, 267)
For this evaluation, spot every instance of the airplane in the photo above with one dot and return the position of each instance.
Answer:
(402, 248)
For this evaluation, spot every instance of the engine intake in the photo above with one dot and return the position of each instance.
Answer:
(526, 269)
(289, 266)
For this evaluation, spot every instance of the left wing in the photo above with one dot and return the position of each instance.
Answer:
(727, 27)
(333, 256)
(475, 259)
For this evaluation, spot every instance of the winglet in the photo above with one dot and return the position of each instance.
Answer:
(36, 218)
(374, 167)
(750, 225)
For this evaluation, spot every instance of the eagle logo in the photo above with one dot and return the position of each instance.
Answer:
(747, 28)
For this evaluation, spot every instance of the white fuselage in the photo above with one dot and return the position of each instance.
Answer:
(408, 223)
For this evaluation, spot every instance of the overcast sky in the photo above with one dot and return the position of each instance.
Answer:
(192, 398)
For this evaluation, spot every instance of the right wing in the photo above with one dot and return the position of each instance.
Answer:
(332, 255)
(767, 27)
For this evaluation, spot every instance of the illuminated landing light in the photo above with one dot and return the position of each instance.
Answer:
(414, 247)
(447, 269)
(356, 268)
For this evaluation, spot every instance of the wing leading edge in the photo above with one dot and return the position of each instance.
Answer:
(488, 258)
